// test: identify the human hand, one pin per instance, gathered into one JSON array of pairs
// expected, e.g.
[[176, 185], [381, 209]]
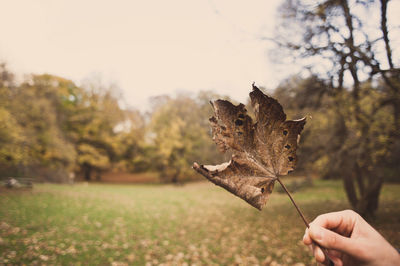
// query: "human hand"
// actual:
[[349, 240]]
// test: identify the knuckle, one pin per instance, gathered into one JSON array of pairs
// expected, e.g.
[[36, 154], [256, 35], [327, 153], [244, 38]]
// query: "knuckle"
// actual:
[[350, 212], [318, 219], [352, 215]]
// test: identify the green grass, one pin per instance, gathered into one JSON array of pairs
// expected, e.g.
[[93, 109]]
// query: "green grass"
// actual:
[[194, 224]]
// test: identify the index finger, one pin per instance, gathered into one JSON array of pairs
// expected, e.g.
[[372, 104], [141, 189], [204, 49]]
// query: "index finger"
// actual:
[[341, 222]]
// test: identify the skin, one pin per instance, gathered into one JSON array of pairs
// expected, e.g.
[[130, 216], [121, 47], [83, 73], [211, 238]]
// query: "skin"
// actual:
[[349, 240]]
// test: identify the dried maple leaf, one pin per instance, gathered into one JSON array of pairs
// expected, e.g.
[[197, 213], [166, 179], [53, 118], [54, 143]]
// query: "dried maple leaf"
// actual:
[[261, 151]]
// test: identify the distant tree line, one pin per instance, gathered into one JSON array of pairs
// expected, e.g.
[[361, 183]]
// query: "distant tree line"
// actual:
[[51, 129]]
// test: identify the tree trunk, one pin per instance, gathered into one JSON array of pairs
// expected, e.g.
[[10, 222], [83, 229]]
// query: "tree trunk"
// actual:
[[98, 176], [350, 189], [368, 203], [175, 179], [88, 172]]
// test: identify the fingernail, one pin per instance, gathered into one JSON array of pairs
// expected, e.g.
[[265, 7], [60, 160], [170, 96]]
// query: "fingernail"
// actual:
[[319, 255], [305, 233]]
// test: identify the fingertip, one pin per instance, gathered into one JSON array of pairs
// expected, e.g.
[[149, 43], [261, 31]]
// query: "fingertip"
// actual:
[[334, 256], [337, 261], [319, 255], [307, 239]]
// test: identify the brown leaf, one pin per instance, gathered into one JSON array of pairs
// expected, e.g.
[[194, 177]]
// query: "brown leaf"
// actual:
[[261, 151]]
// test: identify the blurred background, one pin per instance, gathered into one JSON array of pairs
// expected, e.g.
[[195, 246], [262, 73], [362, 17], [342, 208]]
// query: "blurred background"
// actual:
[[104, 107]]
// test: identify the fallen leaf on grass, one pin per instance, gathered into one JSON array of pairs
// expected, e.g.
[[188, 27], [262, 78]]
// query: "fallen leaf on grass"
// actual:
[[130, 257]]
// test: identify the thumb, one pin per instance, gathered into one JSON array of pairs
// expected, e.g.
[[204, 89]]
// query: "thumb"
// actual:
[[331, 240]]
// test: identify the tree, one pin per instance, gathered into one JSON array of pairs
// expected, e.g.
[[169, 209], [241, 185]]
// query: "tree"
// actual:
[[40, 105], [306, 97], [337, 41], [49, 128], [180, 131], [93, 127], [135, 154], [12, 152]]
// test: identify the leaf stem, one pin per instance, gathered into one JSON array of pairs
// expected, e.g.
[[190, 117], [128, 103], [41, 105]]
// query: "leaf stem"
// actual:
[[294, 203], [327, 261]]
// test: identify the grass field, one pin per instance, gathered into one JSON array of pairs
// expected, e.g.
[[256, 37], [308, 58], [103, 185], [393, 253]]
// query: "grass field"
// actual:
[[163, 224]]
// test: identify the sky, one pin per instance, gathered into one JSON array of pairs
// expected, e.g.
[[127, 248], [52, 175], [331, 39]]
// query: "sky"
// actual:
[[147, 48]]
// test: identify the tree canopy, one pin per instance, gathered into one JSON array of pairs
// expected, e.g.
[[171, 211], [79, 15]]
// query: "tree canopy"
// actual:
[[52, 128], [355, 83]]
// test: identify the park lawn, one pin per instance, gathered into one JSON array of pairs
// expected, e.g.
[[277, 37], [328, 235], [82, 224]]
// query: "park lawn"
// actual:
[[197, 223]]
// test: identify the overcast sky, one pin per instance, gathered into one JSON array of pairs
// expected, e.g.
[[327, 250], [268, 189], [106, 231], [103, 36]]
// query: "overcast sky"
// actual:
[[147, 47]]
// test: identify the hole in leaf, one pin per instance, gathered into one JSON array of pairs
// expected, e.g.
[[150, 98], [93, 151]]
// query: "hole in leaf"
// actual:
[[287, 146], [291, 158], [238, 122], [285, 132], [262, 190]]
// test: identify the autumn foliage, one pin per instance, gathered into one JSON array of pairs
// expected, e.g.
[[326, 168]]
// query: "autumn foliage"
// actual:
[[53, 130]]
